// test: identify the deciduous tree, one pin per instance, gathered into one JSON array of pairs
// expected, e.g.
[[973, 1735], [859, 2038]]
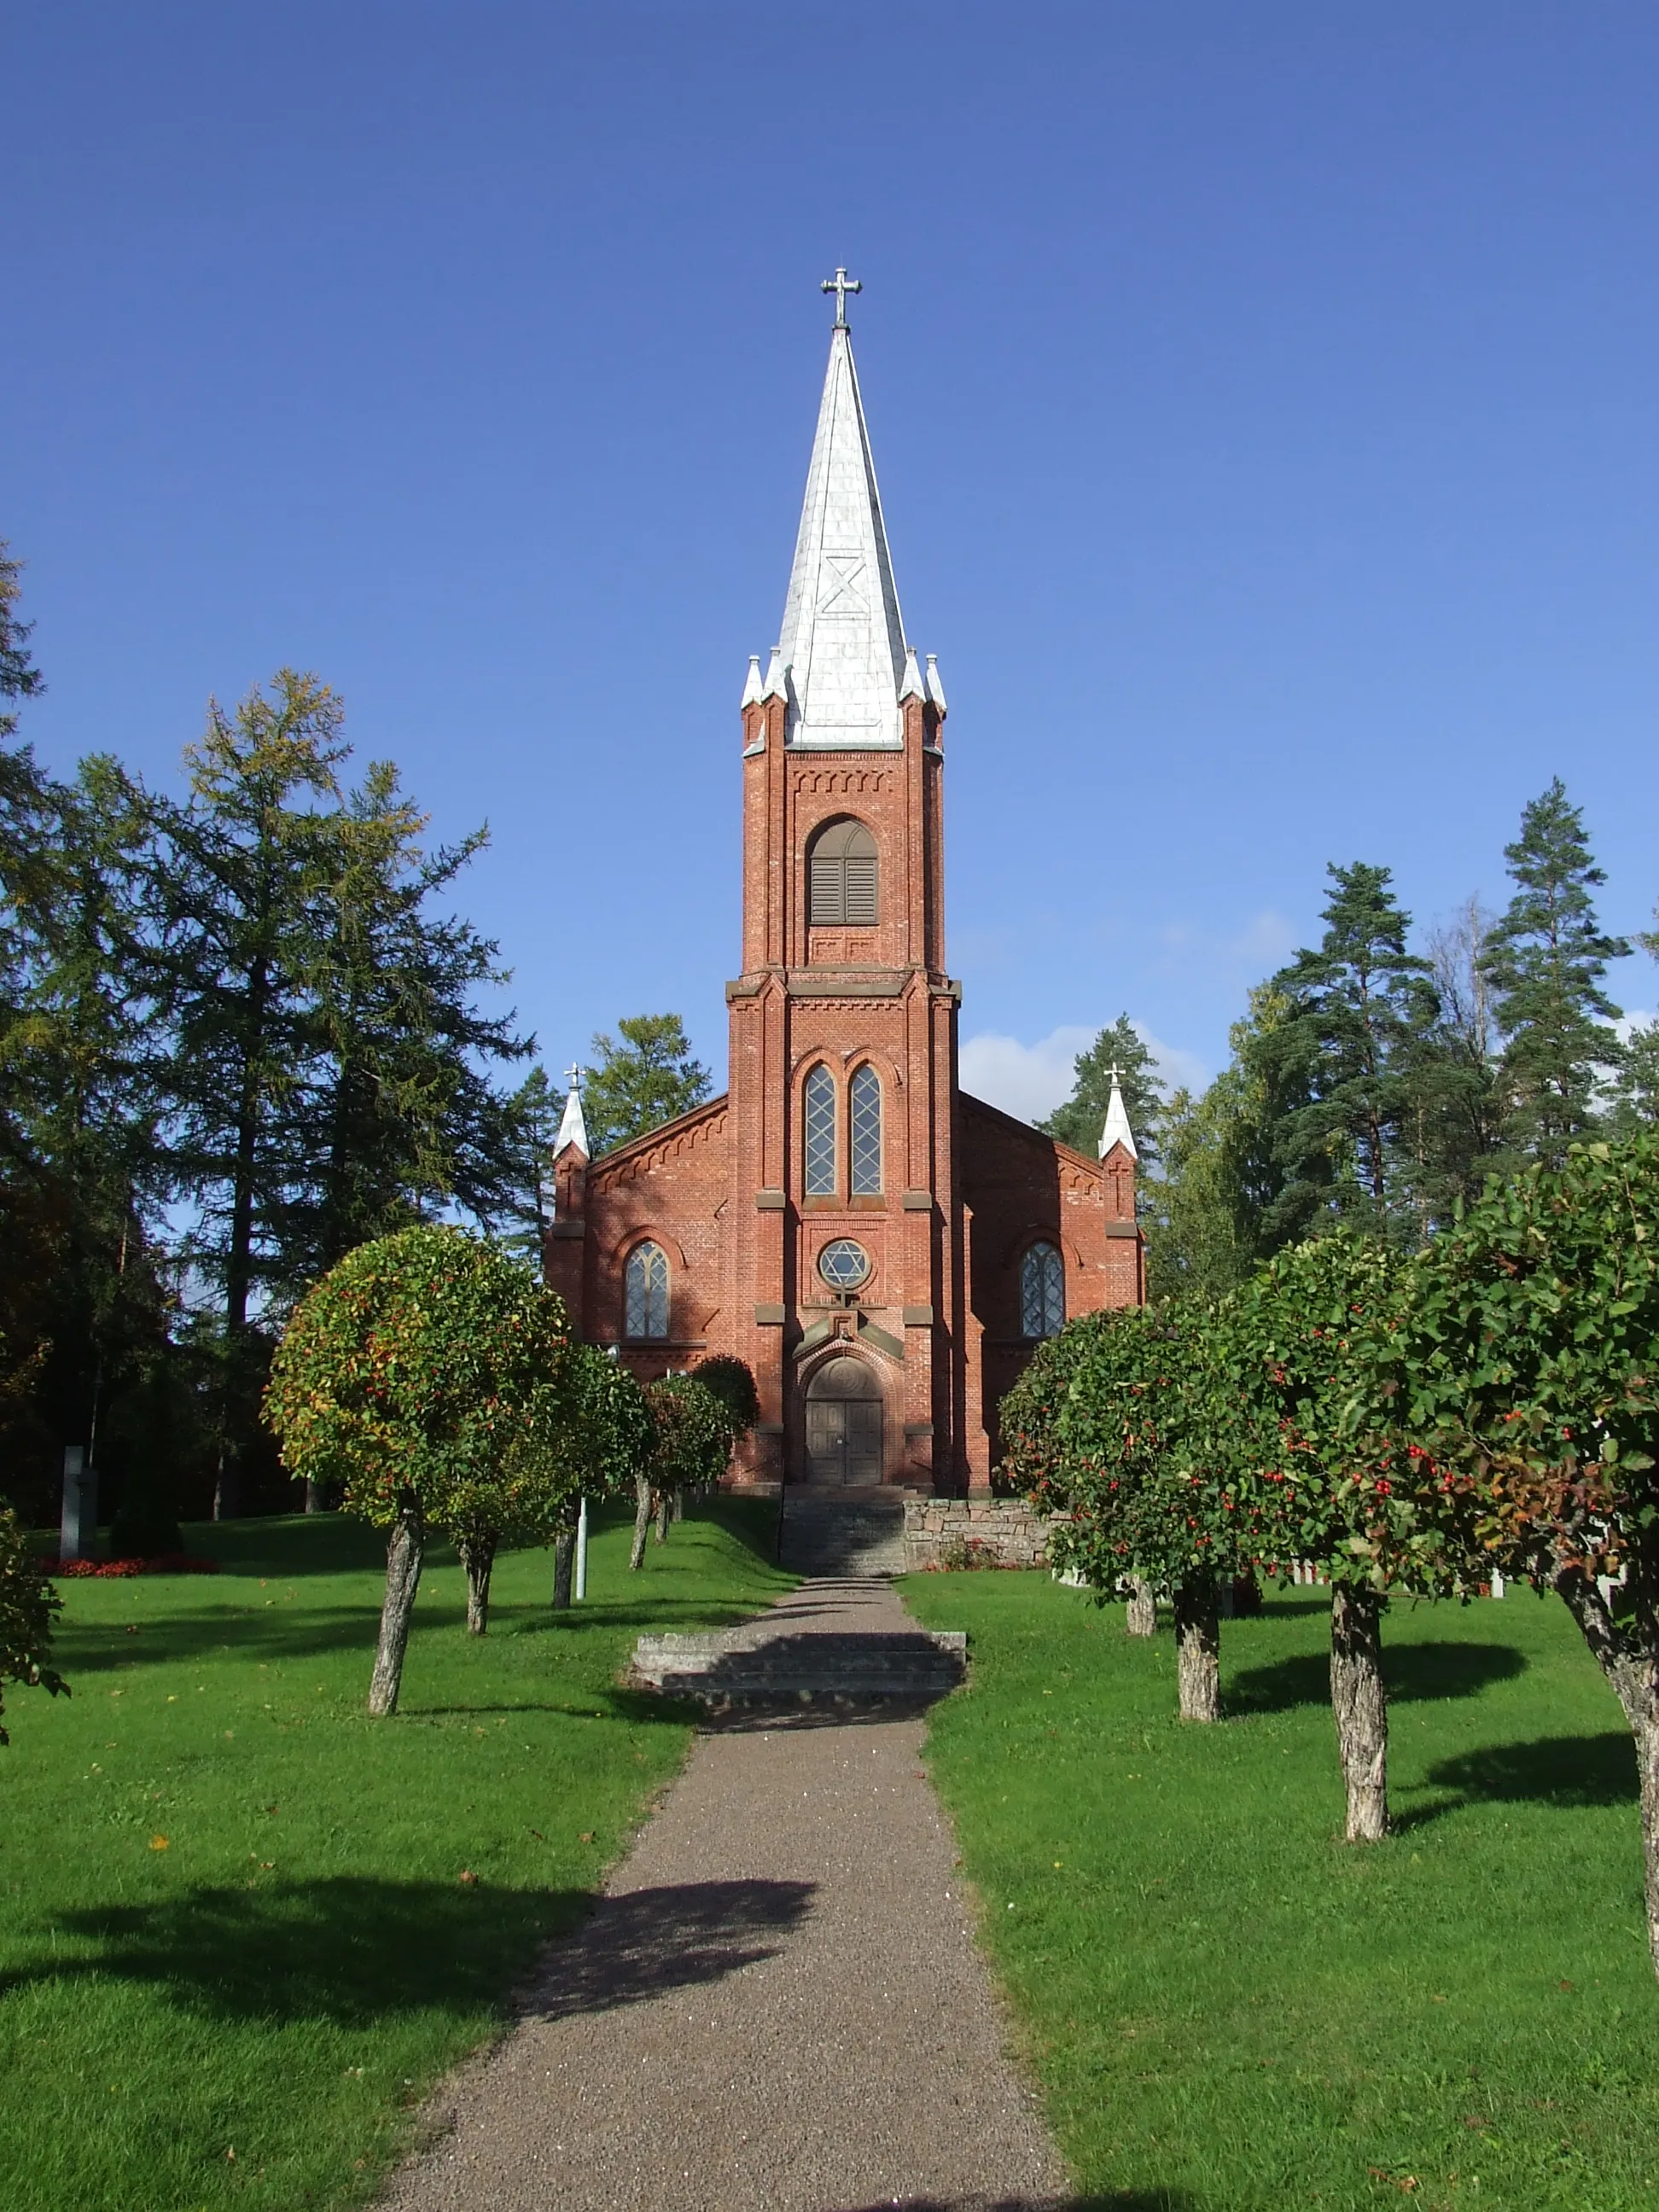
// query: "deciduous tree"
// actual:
[[1129, 1430], [422, 1376], [1317, 1336], [1531, 1361], [28, 1603]]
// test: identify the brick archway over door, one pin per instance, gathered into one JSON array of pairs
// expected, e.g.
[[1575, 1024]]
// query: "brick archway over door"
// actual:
[[844, 1423]]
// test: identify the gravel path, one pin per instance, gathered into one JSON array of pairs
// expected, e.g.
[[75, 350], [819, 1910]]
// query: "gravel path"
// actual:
[[777, 2006]]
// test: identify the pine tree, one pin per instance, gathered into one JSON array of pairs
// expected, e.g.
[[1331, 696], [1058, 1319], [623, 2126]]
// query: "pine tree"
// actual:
[[1544, 961], [1079, 1122], [647, 1078], [1357, 1042]]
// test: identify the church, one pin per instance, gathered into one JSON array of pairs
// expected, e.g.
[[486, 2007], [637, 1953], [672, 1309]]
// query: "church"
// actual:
[[883, 1250]]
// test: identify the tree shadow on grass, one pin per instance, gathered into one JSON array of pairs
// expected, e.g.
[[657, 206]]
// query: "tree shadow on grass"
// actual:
[[1413, 1673], [1570, 1771], [355, 1950], [174, 1638]]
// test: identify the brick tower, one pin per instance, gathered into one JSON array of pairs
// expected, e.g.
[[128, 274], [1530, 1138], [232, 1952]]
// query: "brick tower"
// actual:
[[881, 1249]]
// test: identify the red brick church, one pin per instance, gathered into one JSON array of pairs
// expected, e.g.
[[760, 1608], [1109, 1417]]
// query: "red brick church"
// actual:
[[884, 1250]]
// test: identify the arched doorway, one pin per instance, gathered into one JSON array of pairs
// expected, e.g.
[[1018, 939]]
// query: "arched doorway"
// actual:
[[844, 1423]]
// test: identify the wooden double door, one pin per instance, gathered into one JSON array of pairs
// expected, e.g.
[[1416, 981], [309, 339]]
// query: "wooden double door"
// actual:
[[844, 1428]]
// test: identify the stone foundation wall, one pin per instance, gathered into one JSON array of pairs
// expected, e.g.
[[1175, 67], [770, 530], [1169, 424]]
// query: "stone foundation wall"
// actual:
[[999, 1532]]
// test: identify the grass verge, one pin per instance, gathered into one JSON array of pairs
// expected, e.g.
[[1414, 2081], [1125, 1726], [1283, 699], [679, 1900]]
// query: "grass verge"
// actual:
[[235, 1946], [1230, 2010]]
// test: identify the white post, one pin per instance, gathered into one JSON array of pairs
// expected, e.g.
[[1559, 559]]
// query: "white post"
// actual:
[[581, 1552], [78, 1529], [1497, 1584]]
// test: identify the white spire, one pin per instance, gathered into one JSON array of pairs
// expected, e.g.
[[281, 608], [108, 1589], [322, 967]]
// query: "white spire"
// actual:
[[911, 687], [843, 636], [1117, 1130], [751, 689], [935, 687], [573, 1130]]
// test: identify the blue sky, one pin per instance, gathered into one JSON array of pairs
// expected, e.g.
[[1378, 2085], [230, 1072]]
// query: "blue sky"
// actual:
[[1264, 401]]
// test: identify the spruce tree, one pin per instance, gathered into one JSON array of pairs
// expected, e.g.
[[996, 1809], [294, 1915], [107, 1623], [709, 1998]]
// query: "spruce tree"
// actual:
[[400, 1119], [1079, 1122], [1545, 961], [647, 1078], [239, 893], [1356, 1044]]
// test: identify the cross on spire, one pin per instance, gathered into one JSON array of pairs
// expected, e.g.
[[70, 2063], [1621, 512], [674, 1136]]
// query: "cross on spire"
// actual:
[[841, 284], [574, 1075]]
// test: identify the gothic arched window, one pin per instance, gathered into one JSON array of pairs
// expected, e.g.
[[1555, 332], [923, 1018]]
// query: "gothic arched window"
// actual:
[[864, 1123], [820, 1101], [841, 876], [1041, 1291], [645, 1292]]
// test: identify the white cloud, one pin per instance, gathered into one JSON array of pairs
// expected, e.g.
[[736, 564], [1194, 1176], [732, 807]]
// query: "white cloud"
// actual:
[[1032, 1080]]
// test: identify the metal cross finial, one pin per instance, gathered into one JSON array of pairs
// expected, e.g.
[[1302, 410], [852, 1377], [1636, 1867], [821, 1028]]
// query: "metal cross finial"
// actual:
[[575, 1074], [1115, 1073], [841, 284]]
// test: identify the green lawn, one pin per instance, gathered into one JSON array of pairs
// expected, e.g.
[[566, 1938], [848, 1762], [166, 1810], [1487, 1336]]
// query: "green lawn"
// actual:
[[1229, 2008], [232, 1916]]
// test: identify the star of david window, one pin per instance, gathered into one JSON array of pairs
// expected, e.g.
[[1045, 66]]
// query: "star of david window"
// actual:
[[645, 1293], [820, 1133], [841, 877], [1041, 1291], [864, 1119], [843, 1264]]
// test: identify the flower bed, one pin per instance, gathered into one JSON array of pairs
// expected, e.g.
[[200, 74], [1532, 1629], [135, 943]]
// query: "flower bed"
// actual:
[[166, 1562]]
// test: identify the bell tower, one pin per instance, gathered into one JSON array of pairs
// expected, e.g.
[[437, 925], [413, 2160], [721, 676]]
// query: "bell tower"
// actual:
[[845, 1238]]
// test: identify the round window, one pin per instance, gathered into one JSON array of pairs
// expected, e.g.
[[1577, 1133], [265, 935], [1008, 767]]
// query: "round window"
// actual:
[[843, 1264]]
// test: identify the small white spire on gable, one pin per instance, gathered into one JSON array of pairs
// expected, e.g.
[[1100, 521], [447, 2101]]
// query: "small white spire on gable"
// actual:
[[935, 688], [911, 687], [751, 689], [1117, 1130], [777, 681], [573, 1129]]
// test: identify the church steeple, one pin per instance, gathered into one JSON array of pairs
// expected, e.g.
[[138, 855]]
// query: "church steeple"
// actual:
[[842, 649]]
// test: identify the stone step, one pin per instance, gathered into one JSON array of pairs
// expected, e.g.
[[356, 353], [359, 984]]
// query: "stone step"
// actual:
[[843, 1533], [748, 1667]]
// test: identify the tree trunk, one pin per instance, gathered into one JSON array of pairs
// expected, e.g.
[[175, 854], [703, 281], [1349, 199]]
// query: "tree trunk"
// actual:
[[1141, 1617], [1360, 1706], [1198, 1648], [1629, 1657], [664, 1506], [478, 1559], [641, 1519], [404, 1551], [314, 1498], [564, 1563]]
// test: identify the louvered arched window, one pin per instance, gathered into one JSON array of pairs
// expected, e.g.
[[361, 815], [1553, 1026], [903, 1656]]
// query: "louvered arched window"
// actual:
[[864, 1128], [820, 1119], [841, 876], [1041, 1291], [645, 1292]]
